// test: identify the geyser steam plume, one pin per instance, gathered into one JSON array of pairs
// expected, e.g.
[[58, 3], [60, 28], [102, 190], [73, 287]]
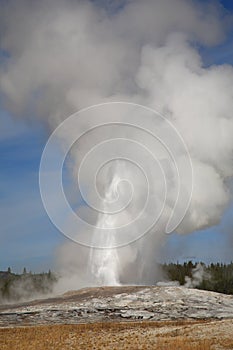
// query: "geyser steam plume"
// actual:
[[103, 264], [61, 56]]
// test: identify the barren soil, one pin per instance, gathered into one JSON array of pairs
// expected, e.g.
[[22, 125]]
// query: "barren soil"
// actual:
[[186, 335], [121, 318]]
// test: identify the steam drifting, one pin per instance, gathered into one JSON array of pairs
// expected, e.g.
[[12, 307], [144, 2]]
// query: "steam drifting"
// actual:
[[67, 55]]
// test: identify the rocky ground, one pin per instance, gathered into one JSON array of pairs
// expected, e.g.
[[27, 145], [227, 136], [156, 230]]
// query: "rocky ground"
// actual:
[[129, 303]]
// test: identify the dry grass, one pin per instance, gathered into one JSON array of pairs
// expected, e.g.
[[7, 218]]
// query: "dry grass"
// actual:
[[183, 335]]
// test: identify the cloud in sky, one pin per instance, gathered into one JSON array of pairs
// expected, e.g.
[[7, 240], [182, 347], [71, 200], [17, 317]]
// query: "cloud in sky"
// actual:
[[29, 239], [64, 55]]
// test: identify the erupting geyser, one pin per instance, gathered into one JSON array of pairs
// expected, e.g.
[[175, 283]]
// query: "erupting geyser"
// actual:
[[103, 262], [60, 57]]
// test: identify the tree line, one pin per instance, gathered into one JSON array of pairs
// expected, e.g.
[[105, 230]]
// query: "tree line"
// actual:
[[25, 286], [216, 277]]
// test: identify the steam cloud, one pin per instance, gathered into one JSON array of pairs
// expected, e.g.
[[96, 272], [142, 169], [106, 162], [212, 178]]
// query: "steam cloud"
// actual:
[[198, 274], [66, 55]]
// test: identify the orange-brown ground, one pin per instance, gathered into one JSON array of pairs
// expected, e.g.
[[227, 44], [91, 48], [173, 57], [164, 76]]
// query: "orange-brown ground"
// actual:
[[182, 335]]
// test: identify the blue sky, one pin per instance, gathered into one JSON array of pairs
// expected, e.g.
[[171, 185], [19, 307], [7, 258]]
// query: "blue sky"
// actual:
[[27, 235], [28, 238]]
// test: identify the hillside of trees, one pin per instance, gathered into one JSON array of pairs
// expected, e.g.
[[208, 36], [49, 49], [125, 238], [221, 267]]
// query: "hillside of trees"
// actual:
[[25, 286], [214, 277]]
